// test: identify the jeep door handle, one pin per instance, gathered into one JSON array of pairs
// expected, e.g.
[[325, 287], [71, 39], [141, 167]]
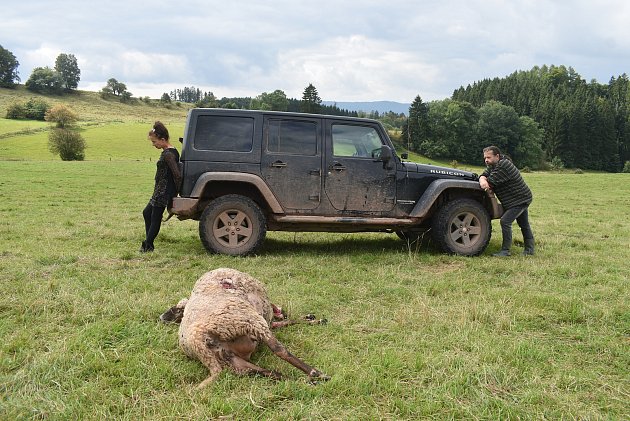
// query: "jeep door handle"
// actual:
[[338, 167], [278, 164]]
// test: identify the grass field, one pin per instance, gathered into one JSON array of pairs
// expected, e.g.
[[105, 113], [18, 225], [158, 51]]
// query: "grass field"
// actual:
[[412, 334]]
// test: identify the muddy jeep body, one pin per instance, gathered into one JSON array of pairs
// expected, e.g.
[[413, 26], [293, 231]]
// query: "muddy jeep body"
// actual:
[[247, 172]]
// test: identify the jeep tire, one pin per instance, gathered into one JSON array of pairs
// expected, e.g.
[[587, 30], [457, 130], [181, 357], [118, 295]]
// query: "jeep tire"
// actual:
[[462, 227], [233, 225]]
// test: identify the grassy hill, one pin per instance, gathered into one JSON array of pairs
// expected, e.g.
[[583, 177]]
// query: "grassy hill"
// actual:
[[92, 108], [112, 130]]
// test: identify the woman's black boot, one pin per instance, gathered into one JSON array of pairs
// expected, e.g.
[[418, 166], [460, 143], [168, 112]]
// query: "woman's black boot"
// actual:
[[146, 247]]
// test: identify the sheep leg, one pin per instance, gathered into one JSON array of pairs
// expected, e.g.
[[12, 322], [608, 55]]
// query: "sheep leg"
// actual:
[[283, 323], [209, 357], [282, 352], [213, 375], [241, 365], [308, 319]]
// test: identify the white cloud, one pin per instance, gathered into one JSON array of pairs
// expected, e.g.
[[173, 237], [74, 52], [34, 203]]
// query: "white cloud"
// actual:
[[371, 50], [355, 68], [137, 65], [43, 56]]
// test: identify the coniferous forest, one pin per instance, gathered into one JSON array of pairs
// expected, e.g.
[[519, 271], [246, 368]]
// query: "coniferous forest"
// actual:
[[547, 116]]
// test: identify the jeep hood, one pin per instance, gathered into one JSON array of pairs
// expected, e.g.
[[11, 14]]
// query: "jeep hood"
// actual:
[[439, 171]]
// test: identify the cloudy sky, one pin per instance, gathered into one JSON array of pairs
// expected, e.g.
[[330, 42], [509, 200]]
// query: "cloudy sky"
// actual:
[[350, 50]]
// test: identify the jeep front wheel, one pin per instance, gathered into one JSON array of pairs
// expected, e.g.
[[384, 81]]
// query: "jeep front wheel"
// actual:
[[462, 227], [233, 225]]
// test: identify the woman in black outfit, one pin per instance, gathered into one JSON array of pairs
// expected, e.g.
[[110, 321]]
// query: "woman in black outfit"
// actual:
[[167, 182]]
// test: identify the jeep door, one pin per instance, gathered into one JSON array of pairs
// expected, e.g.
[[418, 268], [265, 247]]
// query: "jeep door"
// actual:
[[291, 162], [355, 179]]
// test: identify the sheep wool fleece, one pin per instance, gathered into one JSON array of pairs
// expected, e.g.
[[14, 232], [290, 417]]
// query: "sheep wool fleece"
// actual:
[[216, 297]]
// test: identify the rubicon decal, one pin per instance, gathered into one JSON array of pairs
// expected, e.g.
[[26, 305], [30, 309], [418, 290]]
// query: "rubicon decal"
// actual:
[[446, 172]]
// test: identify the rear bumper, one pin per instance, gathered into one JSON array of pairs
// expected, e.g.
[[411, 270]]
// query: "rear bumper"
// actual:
[[184, 207]]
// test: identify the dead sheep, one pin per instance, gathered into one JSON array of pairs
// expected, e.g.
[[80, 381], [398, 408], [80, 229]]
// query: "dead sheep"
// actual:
[[227, 315]]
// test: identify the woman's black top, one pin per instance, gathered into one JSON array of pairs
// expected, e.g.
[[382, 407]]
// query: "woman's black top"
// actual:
[[167, 178]]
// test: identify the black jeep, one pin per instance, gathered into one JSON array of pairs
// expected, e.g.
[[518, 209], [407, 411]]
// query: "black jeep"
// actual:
[[247, 172]]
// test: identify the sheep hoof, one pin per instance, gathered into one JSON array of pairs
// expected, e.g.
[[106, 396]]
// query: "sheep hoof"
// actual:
[[272, 374], [312, 319], [320, 378], [316, 377]]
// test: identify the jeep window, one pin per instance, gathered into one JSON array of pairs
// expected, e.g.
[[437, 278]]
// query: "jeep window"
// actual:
[[222, 133], [292, 137], [357, 141]]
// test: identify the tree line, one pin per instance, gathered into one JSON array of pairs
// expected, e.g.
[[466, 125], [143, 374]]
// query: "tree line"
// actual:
[[451, 129], [548, 115], [64, 77], [271, 101]]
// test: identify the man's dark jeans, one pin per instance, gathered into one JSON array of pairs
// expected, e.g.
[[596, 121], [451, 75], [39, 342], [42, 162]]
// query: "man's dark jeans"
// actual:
[[520, 214]]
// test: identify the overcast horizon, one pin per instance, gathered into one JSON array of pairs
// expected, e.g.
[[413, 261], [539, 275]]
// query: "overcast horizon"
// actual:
[[350, 51]]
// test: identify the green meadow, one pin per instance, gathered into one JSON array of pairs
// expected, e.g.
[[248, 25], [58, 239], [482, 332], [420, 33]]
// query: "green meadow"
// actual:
[[412, 333]]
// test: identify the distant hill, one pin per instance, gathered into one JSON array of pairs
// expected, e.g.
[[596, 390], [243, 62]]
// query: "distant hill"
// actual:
[[380, 106], [92, 108]]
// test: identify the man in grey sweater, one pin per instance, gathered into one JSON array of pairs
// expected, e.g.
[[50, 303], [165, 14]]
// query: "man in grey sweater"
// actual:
[[505, 180]]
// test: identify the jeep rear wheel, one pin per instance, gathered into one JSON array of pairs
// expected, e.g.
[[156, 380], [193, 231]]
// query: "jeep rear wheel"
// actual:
[[462, 227], [233, 225]]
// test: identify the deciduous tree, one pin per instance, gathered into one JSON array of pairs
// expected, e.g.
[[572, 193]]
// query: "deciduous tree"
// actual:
[[64, 140], [499, 125], [114, 87], [165, 99], [62, 116], [276, 101], [8, 68], [45, 80], [68, 144], [68, 69]]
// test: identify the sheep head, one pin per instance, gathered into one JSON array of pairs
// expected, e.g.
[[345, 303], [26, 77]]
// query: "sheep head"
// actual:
[[175, 313]]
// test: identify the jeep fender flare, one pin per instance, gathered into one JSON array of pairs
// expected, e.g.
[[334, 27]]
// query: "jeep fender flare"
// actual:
[[437, 187], [248, 178]]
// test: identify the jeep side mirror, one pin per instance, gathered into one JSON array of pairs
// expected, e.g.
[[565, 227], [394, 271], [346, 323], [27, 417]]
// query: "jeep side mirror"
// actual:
[[404, 155], [386, 156]]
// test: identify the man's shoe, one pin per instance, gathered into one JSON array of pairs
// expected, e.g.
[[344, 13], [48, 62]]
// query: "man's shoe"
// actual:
[[529, 247], [502, 253]]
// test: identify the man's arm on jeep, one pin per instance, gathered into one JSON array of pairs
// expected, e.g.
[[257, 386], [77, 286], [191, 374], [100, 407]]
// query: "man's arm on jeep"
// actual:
[[483, 182]]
